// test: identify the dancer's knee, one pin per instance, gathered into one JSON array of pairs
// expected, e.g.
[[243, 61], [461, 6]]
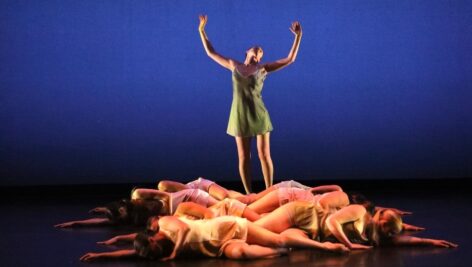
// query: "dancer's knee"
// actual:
[[264, 155], [236, 251], [281, 241], [243, 157]]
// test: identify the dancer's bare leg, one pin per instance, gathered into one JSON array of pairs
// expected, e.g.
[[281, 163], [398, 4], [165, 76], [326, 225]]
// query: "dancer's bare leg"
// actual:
[[276, 221], [258, 235], [267, 203], [244, 154], [251, 215], [263, 149], [218, 192], [244, 251]]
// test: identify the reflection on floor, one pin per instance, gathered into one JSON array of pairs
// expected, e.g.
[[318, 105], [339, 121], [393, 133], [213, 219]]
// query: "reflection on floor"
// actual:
[[29, 239]]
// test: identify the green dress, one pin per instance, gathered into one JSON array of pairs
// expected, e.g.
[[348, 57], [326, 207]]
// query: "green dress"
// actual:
[[248, 116]]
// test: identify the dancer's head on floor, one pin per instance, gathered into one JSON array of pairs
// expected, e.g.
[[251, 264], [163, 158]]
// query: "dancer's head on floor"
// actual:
[[118, 211], [386, 223], [358, 198], [136, 212], [153, 224], [254, 55], [153, 246]]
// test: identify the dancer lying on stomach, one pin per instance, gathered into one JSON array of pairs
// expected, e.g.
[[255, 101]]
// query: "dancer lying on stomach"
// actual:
[[290, 184], [355, 227], [280, 196], [215, 190], [233, 237], [144, 203], [227, 207]]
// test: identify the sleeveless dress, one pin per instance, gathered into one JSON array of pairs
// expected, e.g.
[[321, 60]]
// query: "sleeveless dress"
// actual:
[[248, 116], [303, 215], [290, 184], [200, 183], [210, 237], [188, 195], [290, 194]]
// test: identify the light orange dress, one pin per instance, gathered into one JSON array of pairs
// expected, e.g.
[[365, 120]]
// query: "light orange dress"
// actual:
[[210, 237]]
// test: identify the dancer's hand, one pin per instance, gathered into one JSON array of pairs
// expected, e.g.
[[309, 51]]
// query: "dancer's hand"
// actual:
[[64, 225], [360, 247], [203, 21], [335, 247], [443, 243], [108, 242], [296, 28], [408, 227], [402, 212], [171, 257], [90, 256]]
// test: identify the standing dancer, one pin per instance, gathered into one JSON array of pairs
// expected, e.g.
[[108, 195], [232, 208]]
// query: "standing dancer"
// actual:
[[249, 116]]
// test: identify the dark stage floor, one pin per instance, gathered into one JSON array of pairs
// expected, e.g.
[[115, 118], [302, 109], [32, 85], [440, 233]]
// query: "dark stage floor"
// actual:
[[29, 239]]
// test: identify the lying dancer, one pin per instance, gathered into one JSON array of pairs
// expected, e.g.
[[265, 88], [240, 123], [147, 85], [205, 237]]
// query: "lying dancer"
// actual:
[[354, 224], [227, 207], [144, 203], [215, 190], [122, 212], [280, 196], [290, 184], [235, 238]]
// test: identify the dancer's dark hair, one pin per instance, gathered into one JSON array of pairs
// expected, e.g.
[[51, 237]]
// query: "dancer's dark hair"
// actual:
[[161, 248], [145, 209], [358, 198], [375, 235], [119, 211], [135, 212]]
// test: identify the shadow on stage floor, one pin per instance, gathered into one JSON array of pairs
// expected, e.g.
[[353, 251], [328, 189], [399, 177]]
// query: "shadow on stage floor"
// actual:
[[29, 239]]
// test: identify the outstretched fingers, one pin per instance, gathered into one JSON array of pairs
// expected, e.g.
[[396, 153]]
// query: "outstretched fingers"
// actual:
[[89, 256], [336, 247], [63, 225], [360, 247], [447, 244]]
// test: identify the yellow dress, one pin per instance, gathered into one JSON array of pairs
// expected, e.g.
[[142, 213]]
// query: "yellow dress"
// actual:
[[210, 237]]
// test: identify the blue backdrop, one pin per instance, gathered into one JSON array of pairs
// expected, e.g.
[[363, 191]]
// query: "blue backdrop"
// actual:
[[122, 91]]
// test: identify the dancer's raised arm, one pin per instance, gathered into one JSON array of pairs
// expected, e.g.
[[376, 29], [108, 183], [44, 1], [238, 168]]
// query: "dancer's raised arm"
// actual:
[[296, 29], [223, 61]]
